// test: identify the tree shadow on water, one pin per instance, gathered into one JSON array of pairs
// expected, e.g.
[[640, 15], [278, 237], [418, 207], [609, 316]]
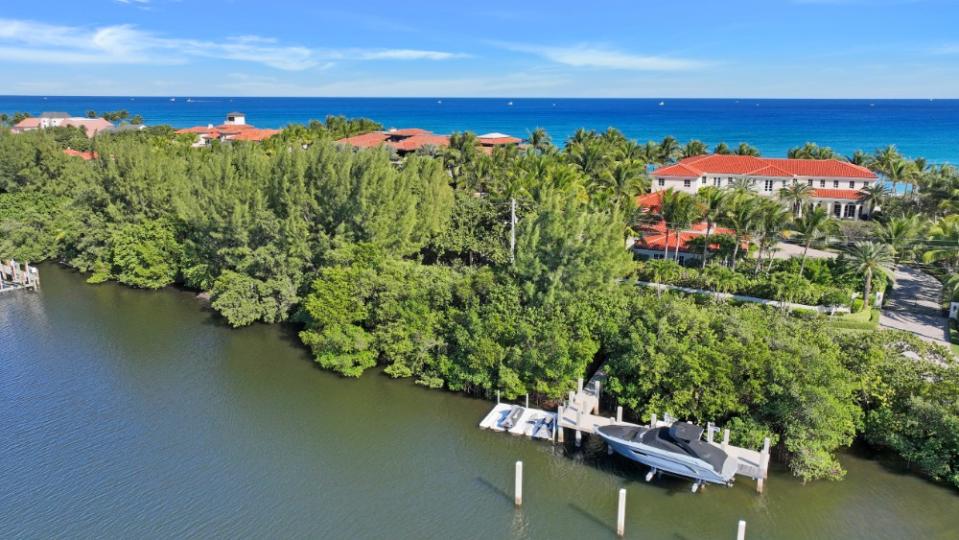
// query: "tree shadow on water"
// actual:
[[592, 517], [495, 489]]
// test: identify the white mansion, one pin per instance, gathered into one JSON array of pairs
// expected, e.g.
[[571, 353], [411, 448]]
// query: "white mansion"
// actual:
[[836, 184]]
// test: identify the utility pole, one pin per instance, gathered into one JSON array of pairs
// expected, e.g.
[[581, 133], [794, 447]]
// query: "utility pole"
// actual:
[[512, 231]]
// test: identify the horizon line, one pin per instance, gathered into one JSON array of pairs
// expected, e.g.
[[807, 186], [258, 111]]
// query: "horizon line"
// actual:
[[507, 97]]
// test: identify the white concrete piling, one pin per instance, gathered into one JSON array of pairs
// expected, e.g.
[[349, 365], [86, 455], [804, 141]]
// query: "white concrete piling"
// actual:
[[527, 401], [763, 466], [621, 514], [518, 499], [572, 397], [599, 388], [710, 428], [579, 386], [556, 426], [652, 421], [619, 413], [725, 438], [741, 532], [497, 397]]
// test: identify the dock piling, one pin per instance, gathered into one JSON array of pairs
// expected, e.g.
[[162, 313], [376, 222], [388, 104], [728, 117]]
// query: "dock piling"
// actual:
[[599, 387], [741, 532], [579, 386], [619, 413], [518, 499], [652, 421], [559, 429], [527, 401], [710, 429], [763, 466], [621, 514], [497, 397], [725, 438]]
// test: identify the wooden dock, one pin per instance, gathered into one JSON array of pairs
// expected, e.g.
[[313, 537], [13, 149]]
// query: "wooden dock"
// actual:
[[16, 276], [580, 413]]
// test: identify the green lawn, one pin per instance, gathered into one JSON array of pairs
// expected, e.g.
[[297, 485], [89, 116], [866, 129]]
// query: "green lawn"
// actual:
[[864, 320]]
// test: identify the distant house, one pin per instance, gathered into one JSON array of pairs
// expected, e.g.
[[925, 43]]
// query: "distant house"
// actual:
[[409, 140], [234, 128], [90, 126], [404, 141], [489, 141], [835, 185]]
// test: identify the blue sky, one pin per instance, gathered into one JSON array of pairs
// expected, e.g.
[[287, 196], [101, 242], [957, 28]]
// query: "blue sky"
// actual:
[[797, 48]]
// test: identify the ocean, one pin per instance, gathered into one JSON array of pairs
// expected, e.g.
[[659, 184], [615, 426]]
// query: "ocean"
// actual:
[[919, 128]]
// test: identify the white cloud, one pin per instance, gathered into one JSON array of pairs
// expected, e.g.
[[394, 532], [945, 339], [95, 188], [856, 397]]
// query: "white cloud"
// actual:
[[28, 41], [408, 54], [595, 56]]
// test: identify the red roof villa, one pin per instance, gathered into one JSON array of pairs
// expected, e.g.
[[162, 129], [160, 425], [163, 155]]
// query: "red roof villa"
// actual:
[[409, 140], [91, 126], [234, 128], [837, 185]]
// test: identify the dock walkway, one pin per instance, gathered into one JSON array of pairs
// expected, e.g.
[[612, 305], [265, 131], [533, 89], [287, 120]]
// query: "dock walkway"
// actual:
[[15, 276]]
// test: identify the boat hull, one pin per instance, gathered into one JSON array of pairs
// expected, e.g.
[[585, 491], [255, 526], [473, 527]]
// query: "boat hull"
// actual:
[[668, 462]]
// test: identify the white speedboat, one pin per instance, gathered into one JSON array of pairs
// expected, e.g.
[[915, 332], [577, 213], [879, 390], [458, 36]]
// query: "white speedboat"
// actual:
[[677, 449]]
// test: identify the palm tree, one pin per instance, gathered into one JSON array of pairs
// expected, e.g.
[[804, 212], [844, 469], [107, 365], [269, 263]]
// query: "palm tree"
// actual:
[[694, 148], [651, 152], [772, 223], [741, 185], [796, 195], [590, 158], [540, 140], [679, 210], [811, 151], [713, 202], [722, 149], [858, 158], [898, 171], [810, 227], [742, 215], [873, 196], [668, 149], [870, 259], [623, 181], [899, 234], [461, 152], [944, 236], [747, 150], [951, 287]]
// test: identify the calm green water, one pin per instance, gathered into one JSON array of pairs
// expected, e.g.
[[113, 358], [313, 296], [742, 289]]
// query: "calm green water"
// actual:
[[136, 414]]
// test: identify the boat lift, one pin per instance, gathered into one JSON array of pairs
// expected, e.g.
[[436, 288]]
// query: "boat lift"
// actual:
[[580, 413]]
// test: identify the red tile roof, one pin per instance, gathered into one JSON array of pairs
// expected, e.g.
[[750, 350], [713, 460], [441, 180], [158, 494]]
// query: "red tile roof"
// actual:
[[255, 134], [86, 156], [28, 123], [849, 194], [696, 166], [415, 142], [650, 201], [366, 140]]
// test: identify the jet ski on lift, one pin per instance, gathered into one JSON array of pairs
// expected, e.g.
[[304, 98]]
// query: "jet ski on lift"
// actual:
[[677, 449]]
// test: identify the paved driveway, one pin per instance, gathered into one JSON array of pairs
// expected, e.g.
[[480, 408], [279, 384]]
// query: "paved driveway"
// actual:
[[913, 306]]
